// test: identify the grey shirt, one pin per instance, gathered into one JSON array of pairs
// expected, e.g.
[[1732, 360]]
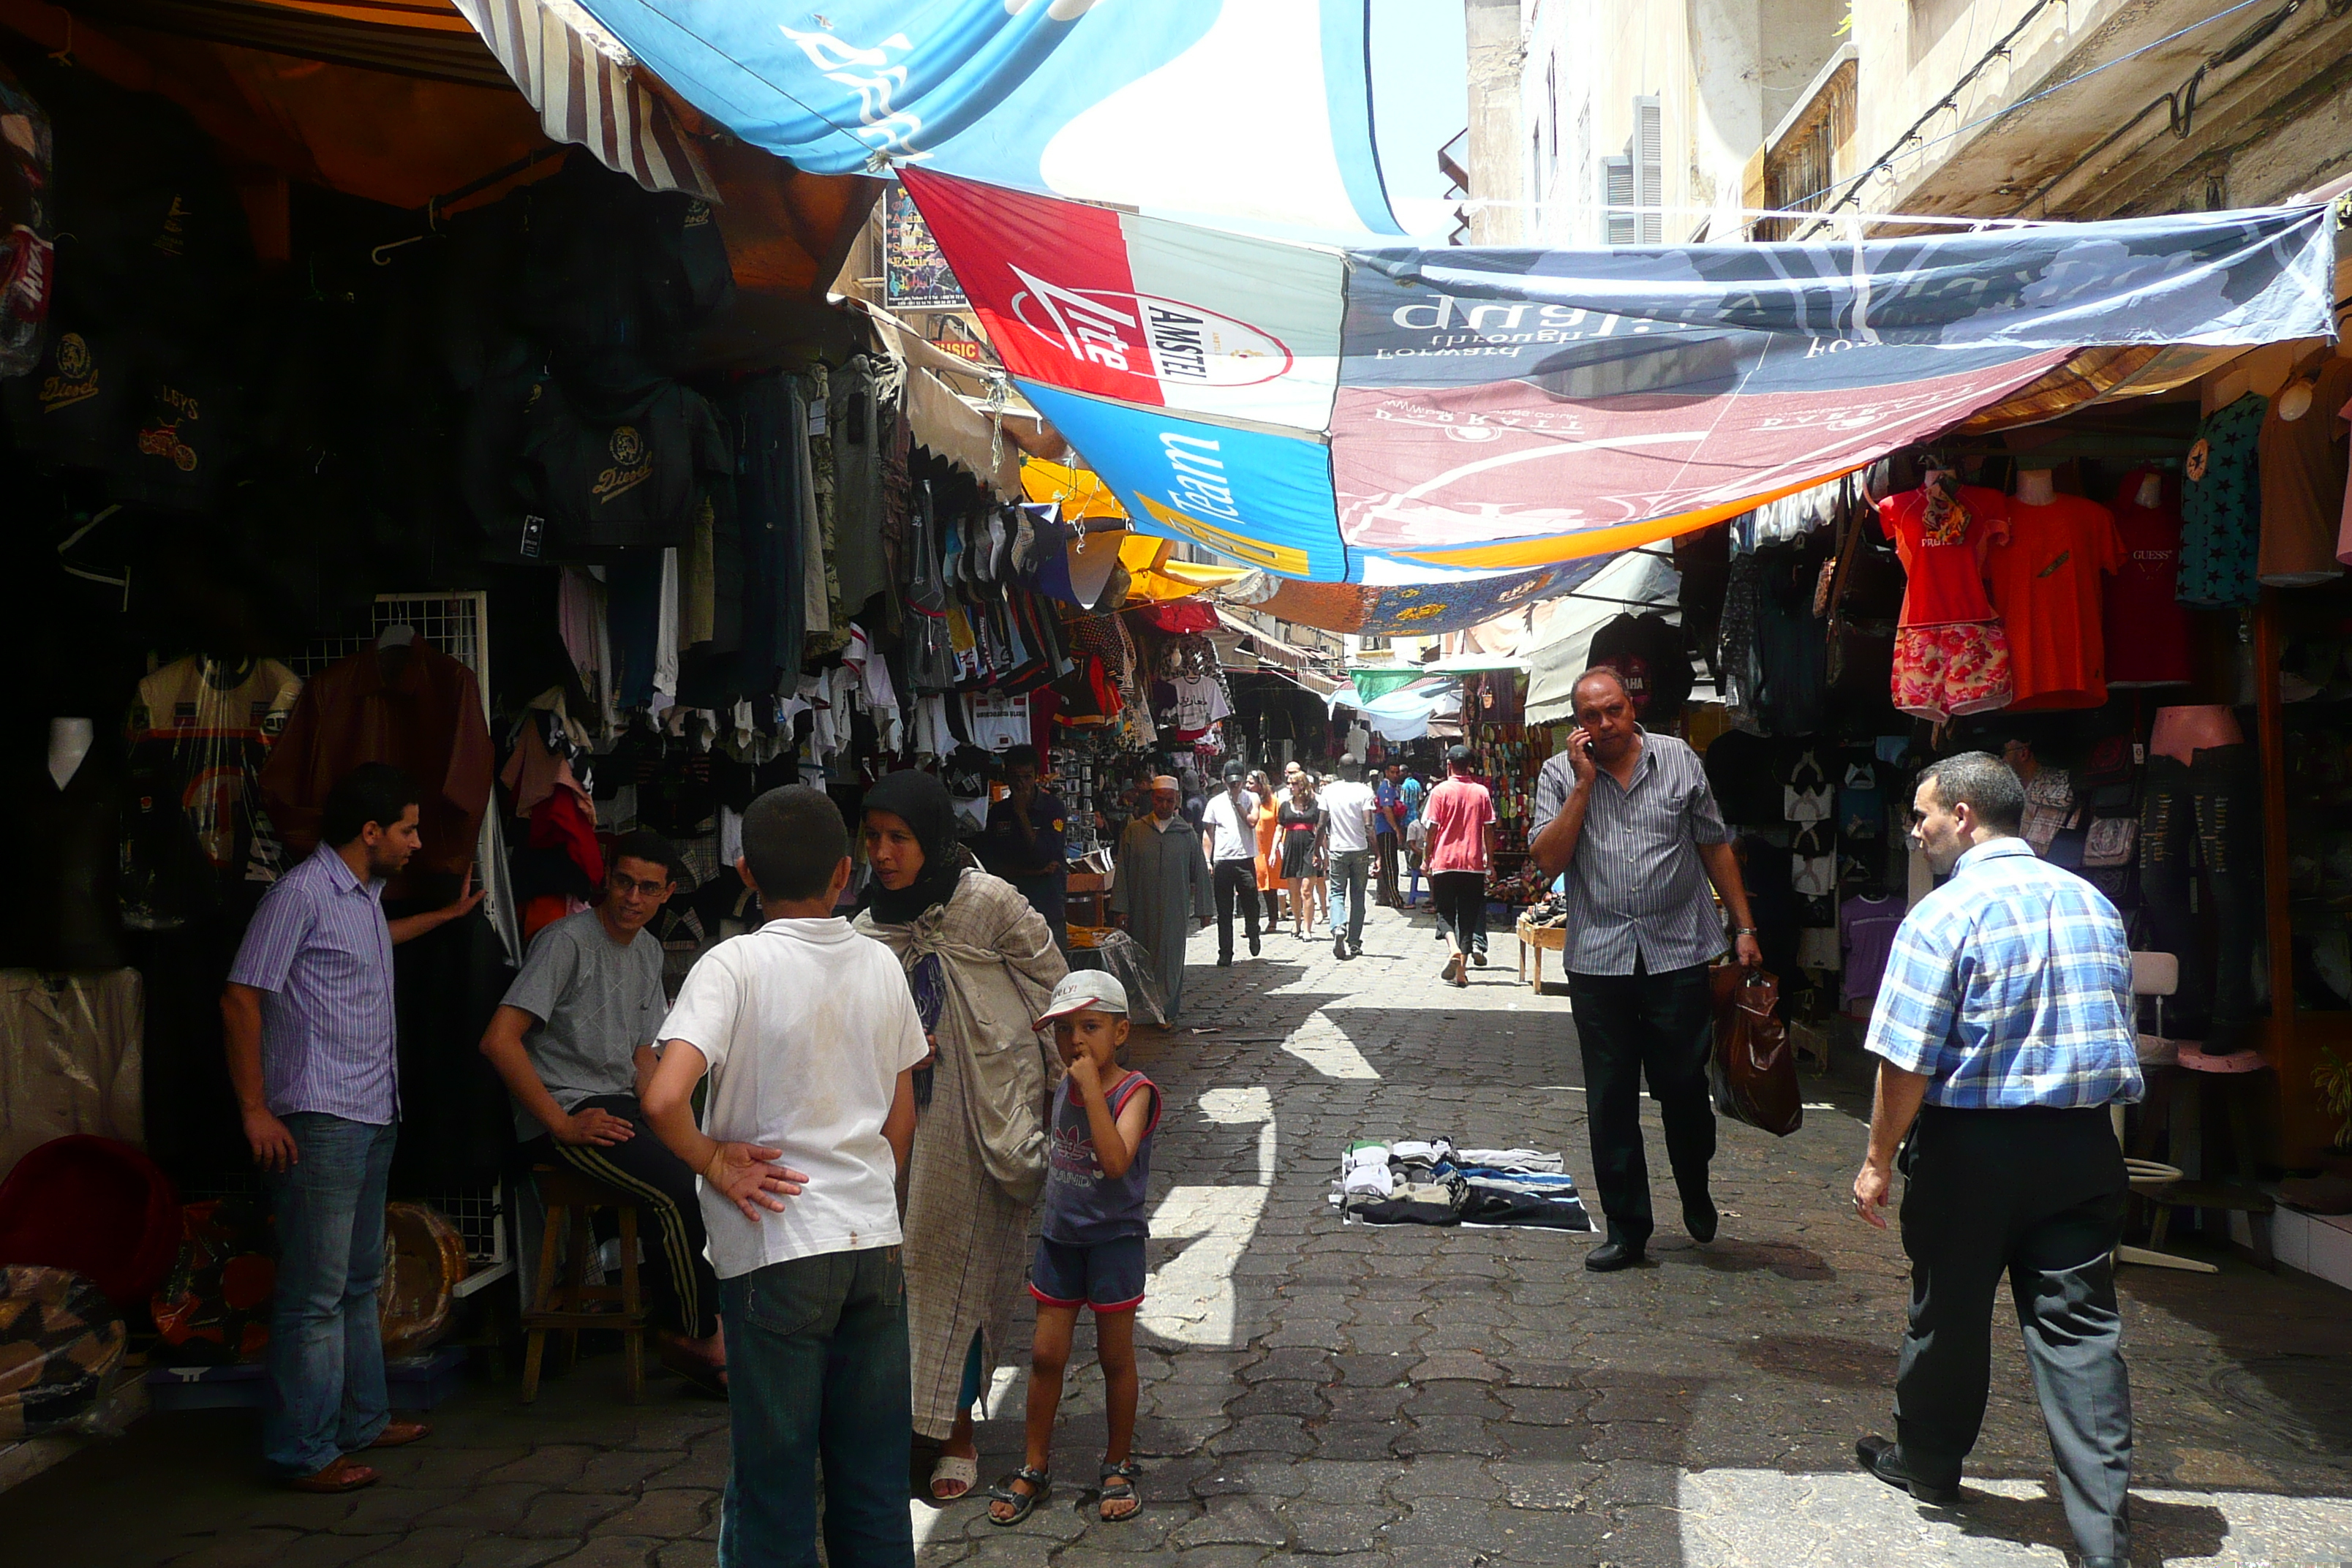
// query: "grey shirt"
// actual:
[[1636, 884], [596, 1002]]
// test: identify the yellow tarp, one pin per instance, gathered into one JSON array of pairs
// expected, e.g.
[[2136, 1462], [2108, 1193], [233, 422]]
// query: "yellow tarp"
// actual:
[[1080, 492]]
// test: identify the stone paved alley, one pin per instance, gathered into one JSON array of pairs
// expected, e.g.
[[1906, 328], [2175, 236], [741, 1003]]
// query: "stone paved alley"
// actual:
[[1409, 1396]]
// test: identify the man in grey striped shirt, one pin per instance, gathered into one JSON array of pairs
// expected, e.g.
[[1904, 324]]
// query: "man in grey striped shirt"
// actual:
[[1627, 815]]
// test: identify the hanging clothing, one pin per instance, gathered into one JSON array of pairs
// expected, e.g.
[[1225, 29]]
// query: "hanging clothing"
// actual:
[[2144, 626], [2048, 582], [2303, 467], [2221, 508], [769, 520], [73, 1059], [420, 711], [65, 911]]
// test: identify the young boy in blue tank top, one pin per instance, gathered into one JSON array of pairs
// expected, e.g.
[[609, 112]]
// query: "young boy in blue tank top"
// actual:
[[1090, 1253]]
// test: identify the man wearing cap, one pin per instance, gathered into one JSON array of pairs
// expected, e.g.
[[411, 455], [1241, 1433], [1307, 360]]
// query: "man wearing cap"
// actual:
[[1231, 820], [1163, 879]]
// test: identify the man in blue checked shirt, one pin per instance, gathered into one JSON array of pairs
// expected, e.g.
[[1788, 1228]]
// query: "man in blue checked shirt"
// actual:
[[2004, 1031], [308, 1012]]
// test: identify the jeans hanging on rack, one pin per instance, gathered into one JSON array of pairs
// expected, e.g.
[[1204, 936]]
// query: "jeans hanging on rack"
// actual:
[[2211, 807]]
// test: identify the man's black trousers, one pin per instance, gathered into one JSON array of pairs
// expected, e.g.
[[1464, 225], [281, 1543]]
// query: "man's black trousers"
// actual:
[[2037, 1195], [1234, 882], [679, 1285], [1630, 1027]]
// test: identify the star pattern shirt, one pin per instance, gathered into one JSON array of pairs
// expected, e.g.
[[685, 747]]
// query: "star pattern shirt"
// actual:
[[2221, 508]]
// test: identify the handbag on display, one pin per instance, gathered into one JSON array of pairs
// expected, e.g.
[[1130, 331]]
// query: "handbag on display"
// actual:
[[1752, 1069]]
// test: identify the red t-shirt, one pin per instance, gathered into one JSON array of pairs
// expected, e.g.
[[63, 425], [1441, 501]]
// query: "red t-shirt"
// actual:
[[1458, 813], [2147, 626], [2046, 582], [1946, 566]]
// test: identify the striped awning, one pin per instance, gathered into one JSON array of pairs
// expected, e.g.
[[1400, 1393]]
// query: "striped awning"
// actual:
[[583, 83]]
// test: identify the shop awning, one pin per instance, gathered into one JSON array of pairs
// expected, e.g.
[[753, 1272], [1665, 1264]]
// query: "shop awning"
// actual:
[[402, 102], [1379, 682], [1172, 107], [1406, 713], [1389, 416]]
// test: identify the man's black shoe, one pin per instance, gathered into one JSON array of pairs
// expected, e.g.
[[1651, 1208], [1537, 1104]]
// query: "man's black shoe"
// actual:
[[2105, 1561], [1885, 1459], [1356, 950], [1252, 947], [1339, 944], [1700, 1220], [1478, 957], [1225, 961], [1612, 1256]]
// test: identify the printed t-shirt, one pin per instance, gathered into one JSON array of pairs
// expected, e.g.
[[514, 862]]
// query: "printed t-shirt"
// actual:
[[596, 1002], [2221, 507], [2302, 463], [796, 1003], [1083, 1207], [1459, 811], [1945, 568], [2146, 630], [1199, 703], [1347, 804], [2046, 582], [205, 728], [1652, 659]]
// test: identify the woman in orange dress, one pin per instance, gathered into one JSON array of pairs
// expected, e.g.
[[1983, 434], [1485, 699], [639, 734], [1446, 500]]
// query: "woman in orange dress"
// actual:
[[1269, 856]]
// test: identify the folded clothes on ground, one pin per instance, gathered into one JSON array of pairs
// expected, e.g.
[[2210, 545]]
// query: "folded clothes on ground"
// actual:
[[1508, 1158], [1426, 1181], [1415, 1203]]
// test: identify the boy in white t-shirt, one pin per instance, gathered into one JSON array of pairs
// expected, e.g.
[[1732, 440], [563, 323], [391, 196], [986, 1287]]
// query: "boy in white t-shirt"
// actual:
[[809, 1037]]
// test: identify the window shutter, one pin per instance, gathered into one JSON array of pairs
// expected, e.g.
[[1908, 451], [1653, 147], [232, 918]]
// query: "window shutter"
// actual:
[[1649, 169], [1617, 225]]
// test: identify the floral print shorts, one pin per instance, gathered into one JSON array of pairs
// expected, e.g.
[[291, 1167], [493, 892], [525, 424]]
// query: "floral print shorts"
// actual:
[[1943, 672]]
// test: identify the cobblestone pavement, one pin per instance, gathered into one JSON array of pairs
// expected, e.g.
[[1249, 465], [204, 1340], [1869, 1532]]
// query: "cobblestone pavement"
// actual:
[[1402, 1397]]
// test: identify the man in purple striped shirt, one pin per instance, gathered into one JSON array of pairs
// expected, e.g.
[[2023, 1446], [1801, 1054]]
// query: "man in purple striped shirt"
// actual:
[[309, 1018]]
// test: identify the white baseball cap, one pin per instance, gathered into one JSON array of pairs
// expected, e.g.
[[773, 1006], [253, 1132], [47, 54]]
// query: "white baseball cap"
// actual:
[[1081, 989]]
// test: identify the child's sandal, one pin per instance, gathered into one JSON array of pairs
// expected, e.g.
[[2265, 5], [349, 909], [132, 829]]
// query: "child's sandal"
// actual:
[[1024, 1503], [1118, 1485]]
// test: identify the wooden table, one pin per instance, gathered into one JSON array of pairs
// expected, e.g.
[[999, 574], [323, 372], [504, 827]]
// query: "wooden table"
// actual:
[[1538, 941]]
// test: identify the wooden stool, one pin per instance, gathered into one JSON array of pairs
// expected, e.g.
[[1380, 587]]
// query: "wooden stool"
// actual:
[[1537, 940], [569, 1304]]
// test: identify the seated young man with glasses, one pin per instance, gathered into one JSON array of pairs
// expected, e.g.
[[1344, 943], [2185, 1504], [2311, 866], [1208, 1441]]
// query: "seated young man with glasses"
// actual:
[[573, 1039]]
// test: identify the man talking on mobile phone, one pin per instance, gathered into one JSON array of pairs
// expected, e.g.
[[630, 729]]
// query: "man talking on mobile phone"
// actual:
[[1627, 815]]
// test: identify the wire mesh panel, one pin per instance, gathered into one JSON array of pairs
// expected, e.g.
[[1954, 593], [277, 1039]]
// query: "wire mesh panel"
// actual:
[[458, 625]]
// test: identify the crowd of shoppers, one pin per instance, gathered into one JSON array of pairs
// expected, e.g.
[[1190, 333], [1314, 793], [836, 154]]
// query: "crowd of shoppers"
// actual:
[[843, 1266]]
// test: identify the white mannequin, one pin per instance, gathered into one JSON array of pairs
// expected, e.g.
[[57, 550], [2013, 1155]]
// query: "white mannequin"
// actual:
[[2034, 488], [70, 742], [2151, 491]]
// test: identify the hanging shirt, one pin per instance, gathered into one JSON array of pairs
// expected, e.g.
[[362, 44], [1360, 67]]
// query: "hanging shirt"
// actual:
[[2221, 508], [2047, 582], [1866, 929], [1199, 702], [1942, 547], [206, 727], [2145, 628], [2301, 462]]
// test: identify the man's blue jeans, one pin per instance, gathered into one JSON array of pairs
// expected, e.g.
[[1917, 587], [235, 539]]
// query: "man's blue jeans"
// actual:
[[326, 1351], [817, 1369], [1349, 868]]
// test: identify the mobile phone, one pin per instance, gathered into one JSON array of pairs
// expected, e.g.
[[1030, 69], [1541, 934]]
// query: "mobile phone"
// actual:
[[1587, 748]]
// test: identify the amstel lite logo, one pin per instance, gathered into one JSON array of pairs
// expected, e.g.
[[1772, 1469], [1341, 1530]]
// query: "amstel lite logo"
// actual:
[[1149, 335], [632, 464]]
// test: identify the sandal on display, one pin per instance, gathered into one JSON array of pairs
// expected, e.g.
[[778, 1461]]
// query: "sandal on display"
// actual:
[[1024, 1503]]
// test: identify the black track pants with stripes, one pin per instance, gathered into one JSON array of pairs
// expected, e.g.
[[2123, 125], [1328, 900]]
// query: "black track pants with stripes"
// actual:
[[679, 1287]]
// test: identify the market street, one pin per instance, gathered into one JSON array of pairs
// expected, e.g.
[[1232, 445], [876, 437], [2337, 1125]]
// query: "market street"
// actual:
[[1406, 1395]]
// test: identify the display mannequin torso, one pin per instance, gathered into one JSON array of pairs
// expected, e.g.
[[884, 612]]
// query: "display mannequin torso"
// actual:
[[70, 742]]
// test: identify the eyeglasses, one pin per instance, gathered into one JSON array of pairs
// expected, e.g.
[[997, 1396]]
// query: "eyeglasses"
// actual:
[[627, 885]]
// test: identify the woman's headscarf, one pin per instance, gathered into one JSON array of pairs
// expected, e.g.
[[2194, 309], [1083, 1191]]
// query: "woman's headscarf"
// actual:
[[923, 804]]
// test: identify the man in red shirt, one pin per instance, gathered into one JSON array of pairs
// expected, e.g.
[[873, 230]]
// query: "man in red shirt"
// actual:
[[1461, 848]]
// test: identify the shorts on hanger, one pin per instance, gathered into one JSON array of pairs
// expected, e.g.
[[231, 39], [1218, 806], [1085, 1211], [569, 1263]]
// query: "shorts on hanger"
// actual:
[[1943, 672]]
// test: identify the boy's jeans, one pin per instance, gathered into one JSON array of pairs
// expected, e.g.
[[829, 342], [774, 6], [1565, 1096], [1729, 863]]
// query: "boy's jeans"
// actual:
[[326, 1348], [817, 1368]]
